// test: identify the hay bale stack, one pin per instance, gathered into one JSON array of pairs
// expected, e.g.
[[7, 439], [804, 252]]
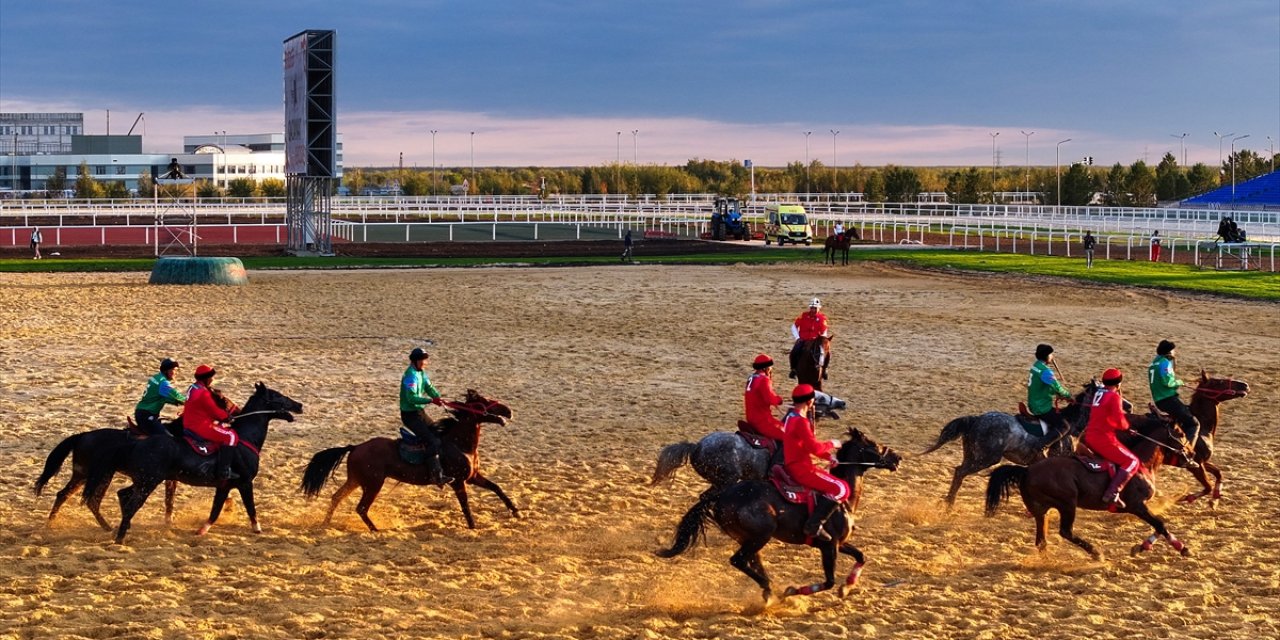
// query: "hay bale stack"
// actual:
[[198, 270]]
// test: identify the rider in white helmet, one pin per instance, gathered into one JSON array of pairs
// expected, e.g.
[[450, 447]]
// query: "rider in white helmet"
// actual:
[[811, 325]]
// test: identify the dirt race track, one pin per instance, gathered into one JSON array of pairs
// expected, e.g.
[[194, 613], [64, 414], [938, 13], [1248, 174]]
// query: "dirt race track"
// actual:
[[603, 366]]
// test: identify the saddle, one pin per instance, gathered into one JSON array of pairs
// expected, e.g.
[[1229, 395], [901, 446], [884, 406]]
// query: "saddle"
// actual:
[[1034, 426], [756, 440], [203, 448], [411, 448], [791, 490], [1155, 412]]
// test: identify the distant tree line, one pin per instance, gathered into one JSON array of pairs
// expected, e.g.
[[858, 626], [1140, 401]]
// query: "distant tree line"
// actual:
[[1135, 185]]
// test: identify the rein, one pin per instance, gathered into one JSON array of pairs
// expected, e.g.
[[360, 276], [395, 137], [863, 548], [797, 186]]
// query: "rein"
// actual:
[[460, 406], [1182, 451], [1215, 395], [251, 413]]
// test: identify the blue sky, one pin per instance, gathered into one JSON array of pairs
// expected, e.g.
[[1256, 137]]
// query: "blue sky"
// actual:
[[552, 83]]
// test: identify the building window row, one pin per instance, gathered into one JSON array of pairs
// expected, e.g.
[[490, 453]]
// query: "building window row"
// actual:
[[43, 130]]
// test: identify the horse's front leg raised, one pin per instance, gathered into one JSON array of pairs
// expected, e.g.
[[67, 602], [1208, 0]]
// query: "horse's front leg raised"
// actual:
[[219, 497], [1140, 509], [828, 569], [481, 481], [1203, 477]]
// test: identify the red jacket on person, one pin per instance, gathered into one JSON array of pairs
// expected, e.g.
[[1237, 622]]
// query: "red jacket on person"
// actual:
[[201, 413], [759, 400], [1106, 419], [798, 448], [811, 326]]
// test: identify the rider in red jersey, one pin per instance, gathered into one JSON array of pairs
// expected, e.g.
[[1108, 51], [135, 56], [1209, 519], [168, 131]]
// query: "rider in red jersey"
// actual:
[[798, 448], [759, 399], [1106, 418]]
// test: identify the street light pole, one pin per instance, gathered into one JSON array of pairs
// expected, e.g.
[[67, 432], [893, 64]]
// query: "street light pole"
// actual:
[[1056, 170], [834, 183], [1220, 137], [807, 182], [635, 147], [1182, 140], [473, 164], [1026, 163], [993, 165], [1233, 167], [1271, 149], [434, 183]]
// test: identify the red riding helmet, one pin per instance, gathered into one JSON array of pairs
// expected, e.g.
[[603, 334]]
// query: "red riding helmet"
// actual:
[[802, 392], [762, 361], [205, 371], [1112, 376]]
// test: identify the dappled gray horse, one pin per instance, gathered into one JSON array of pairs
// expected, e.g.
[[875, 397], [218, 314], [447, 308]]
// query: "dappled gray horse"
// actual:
[[724, 457], [991, 436]]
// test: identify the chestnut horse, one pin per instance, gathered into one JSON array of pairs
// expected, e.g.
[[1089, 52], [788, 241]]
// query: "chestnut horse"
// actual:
[[372, 462], [1209, 393], [753, 513], [1065, 484]]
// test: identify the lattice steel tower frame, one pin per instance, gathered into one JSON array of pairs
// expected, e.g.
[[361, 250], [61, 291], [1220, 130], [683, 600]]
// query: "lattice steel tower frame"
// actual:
[[310, 140]]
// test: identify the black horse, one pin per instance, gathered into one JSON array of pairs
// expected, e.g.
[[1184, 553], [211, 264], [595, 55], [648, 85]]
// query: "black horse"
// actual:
[[992, 436], [154, 460], [84, 448], [754, 512], [839, 243]]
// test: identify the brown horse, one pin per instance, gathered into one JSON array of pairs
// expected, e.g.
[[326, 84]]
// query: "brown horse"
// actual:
[[753, 512], [839, 243], [807, 369], [372, 462], [1209, 393], [1065, 484]]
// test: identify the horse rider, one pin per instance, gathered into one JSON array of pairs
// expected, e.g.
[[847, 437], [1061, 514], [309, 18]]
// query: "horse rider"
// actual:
[[811, 325], [798, 445], [1106, 418], [416, 392], [759, 399], [1164, 390], [160, 391], [838, 231], [1043, 387], [203, 417]]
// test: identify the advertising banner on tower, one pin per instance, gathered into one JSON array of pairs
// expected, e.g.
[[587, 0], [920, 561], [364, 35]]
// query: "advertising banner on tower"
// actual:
[[295, 104]]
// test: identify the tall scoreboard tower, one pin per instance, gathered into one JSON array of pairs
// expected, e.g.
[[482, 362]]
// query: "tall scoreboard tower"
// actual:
[[311, 141]]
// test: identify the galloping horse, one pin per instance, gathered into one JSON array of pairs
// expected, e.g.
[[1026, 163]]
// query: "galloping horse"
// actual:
[[84, 448], [372, 462], [753, 513], [993, 436], [839, 243], [154, 460], [1063, 483], [724, 457], [1209, 393], [807, 369]]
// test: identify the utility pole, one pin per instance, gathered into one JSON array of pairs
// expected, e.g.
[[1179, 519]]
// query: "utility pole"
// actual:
[[834, 184], [1026, 163], [807, 183]]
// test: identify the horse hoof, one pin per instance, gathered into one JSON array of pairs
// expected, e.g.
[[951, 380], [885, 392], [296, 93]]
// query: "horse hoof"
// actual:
[[1186, 552], [1137, 548], [257, 528], [204, 529], [790, 591]]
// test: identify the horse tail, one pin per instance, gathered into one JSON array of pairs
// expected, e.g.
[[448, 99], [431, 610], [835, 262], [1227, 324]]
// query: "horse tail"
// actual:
[[321, 467], [671, 458], [1001, 482], [693, 526], [53, 464], [953, 430]]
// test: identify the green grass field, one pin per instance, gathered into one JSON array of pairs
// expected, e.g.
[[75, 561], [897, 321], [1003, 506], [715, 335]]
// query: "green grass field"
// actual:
[[1251, 285]]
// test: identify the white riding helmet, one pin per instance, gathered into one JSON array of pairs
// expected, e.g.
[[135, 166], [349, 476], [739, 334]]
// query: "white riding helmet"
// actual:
[[815, 303]]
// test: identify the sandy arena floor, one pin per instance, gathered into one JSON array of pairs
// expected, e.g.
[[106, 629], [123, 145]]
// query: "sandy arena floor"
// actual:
[[603, 366]]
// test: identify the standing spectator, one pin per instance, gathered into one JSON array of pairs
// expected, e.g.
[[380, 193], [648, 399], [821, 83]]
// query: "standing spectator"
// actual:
[[626, 246], [1155, 246], [1089, 241], [36, 239]]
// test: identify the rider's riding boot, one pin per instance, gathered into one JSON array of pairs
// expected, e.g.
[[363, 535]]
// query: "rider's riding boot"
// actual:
[[822, 510], [225, 472], [435, 472], [1112, 494], [794, 357]]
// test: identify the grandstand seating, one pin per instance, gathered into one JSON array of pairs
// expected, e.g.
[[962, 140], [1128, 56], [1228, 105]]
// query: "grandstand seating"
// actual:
[[1261, 191]]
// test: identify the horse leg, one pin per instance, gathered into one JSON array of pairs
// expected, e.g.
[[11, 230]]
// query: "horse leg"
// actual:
[[131, 499], [1140, 509], [74, 484], [859, 561], [340, 495], [170, 489], [460, 490], [481, 481], [1066, 524], [747, 559], [95, 506], [1217, 481], [967, 467], [1042, 526], [251, 509], [828, 573], [367, 496], [219, 497], [1203, 478]]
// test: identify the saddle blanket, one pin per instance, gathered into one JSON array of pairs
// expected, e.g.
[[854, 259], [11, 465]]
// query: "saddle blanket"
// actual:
[[791, 490]]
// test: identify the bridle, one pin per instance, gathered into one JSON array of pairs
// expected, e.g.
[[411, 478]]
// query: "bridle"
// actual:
[[1180, 451], [1217, 395], [476, 408]]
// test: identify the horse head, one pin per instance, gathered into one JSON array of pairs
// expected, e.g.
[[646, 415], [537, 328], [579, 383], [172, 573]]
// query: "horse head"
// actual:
[[265, 398], [861, 451], [1155, 437], [1220, 389], [481, 409]]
